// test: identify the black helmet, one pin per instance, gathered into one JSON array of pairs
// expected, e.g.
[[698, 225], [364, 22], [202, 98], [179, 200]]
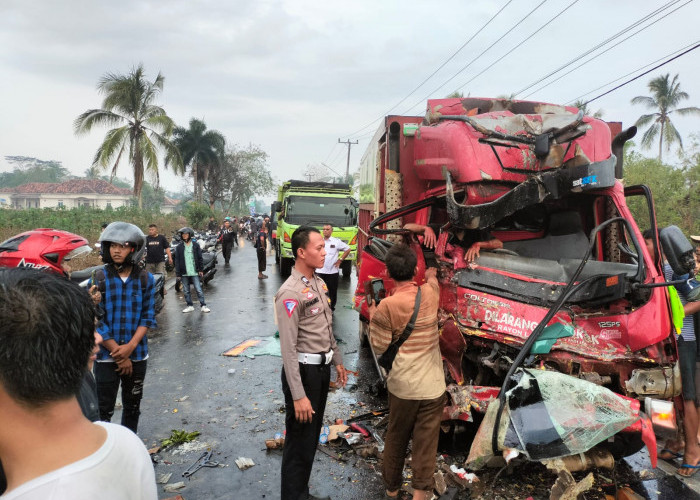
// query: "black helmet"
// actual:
[[186, 229], [124, 234]]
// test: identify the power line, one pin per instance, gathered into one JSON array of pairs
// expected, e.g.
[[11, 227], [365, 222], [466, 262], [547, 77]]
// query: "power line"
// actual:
[[519, 44], [571, 101], [435, 72], [596, 47], [606, 50], [479, 56], [642, 74]]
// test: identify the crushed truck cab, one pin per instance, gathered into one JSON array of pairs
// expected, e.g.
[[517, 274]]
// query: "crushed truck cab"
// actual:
[[574, 289], [314, 204]]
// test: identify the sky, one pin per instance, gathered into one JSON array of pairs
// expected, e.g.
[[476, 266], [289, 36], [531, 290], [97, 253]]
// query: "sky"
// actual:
[[295, 76]]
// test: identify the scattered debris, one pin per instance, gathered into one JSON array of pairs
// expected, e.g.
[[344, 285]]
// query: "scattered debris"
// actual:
[[244, 463], [331, 454], [440, 483], [179, 437], [183, 398], [164, 478], [154, 450], [176, 497], [259, 346], [276, 443], [204, 460], [172, 488], [566, 487]]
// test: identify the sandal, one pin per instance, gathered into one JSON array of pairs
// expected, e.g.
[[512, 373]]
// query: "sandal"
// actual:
[[693, 470], [670, 455]]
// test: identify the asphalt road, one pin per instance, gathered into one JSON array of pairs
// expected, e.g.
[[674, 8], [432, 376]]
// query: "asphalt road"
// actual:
[[189, 387]]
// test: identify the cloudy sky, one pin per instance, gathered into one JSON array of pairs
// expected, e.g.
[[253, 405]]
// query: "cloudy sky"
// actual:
[[294, 76]]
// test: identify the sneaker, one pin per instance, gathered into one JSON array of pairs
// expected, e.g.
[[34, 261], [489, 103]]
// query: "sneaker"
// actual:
[[205, 309], [188, 309]]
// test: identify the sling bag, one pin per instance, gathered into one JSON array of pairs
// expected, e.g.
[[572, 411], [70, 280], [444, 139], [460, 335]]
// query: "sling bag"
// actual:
[[387, 357]]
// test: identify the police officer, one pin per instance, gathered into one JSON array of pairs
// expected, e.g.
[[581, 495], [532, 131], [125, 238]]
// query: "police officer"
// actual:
[[304, 319]]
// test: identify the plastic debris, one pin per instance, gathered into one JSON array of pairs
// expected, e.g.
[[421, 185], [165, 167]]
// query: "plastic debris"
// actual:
[[550, 415], [462, 474], [244, 463]]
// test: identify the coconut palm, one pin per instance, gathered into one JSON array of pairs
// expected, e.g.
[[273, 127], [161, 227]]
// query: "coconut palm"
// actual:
[[666, 95], [201, 150], [142, 127]]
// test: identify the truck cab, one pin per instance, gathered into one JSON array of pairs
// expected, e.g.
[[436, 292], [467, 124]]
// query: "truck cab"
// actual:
[[544, 180], [314, 204]]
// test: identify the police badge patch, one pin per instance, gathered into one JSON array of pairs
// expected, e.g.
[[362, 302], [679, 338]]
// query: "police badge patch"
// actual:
[[290, 305]]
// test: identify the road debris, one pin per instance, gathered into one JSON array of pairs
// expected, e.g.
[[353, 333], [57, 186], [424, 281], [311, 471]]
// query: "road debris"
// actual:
[[566, 487], [164, 478], [244, 463], [178, 437], [257, 346], [204, 460], [172, 488]]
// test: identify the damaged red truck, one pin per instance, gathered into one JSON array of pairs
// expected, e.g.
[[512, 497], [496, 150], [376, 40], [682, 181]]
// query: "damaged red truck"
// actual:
[[545, 180]]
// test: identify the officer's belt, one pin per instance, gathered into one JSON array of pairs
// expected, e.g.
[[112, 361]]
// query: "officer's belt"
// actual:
[[315, 359]]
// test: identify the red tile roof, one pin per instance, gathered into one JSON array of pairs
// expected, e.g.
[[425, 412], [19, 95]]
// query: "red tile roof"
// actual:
[[170, 201], [74, 186]]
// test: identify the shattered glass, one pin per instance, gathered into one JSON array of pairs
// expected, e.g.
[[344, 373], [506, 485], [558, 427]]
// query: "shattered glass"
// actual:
[[549, 415]]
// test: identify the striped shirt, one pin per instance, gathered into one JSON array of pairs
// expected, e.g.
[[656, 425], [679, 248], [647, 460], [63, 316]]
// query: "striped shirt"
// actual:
[[417, 370], [127, 306], [688, 329]]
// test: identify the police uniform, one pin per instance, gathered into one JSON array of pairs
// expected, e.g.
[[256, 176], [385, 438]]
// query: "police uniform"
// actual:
[[304, 320]]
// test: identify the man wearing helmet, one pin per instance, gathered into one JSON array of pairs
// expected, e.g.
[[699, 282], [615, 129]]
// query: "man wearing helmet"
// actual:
[[128, 301], [189, 267]]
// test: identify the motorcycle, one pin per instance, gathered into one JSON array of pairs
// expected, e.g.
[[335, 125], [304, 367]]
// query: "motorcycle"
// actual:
[[54, 250]]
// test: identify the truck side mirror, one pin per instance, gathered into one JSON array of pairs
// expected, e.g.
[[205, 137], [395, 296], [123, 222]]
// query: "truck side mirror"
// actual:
[[677, 250], [276, 206]]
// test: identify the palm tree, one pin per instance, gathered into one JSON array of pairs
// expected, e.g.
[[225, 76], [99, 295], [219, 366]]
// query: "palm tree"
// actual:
[[583, 106], [200, 149], [141, 127], [665, 97]]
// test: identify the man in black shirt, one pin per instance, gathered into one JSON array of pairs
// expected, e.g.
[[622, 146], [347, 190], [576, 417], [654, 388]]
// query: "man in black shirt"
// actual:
[[227, 236], [157, 247], [471, 240]]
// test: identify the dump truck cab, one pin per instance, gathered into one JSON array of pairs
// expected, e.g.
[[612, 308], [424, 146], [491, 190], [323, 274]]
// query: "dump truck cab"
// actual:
[[544, 180]]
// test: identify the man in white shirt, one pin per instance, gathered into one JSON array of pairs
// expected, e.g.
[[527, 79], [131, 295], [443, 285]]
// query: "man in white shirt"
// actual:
[[47, 447], [329, 272]]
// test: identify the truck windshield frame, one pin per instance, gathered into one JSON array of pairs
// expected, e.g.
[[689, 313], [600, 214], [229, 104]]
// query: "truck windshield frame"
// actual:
[[313, 210]]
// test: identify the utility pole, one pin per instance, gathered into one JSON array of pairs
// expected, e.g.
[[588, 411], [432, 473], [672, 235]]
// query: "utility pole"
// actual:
[[347, 168]]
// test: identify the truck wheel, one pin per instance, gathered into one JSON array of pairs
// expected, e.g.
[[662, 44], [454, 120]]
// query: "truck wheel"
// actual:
[[364, 334], [346, 266], [286, 266]]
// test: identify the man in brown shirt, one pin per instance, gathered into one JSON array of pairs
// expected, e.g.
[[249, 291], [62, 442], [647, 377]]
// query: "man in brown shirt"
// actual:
[[416, 382], [304, 319]]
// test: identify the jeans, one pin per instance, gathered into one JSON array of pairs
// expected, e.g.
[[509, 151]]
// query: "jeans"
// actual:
[[192, 280], [132, 391]]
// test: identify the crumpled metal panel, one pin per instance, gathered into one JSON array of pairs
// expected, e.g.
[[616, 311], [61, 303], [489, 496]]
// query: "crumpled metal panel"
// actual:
[[466, 398]]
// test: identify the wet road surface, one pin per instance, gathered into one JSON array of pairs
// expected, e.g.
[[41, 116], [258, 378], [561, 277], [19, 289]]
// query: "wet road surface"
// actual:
[[189, 386]]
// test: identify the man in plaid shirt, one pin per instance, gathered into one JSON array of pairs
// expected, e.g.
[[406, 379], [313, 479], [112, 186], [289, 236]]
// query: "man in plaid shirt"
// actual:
[[129, 311]]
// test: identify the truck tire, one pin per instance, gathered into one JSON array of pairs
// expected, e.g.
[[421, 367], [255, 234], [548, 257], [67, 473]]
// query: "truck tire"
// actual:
[[286, 266], [346, 266]]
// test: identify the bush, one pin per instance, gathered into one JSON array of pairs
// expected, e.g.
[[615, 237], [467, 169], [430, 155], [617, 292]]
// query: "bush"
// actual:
[[84, 221], [197, 214]]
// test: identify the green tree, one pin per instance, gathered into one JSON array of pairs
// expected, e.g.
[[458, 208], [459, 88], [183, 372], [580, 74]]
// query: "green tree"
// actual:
[[27, 169], [141, 127], [200, 149], [666, 95], [242, 174]]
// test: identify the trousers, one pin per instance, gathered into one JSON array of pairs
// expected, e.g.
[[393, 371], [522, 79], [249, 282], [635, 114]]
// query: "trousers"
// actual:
[[197, 283], [420, 419], [331, 281], [262, 260], [301, 439], [108, 381], [226, 247]]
